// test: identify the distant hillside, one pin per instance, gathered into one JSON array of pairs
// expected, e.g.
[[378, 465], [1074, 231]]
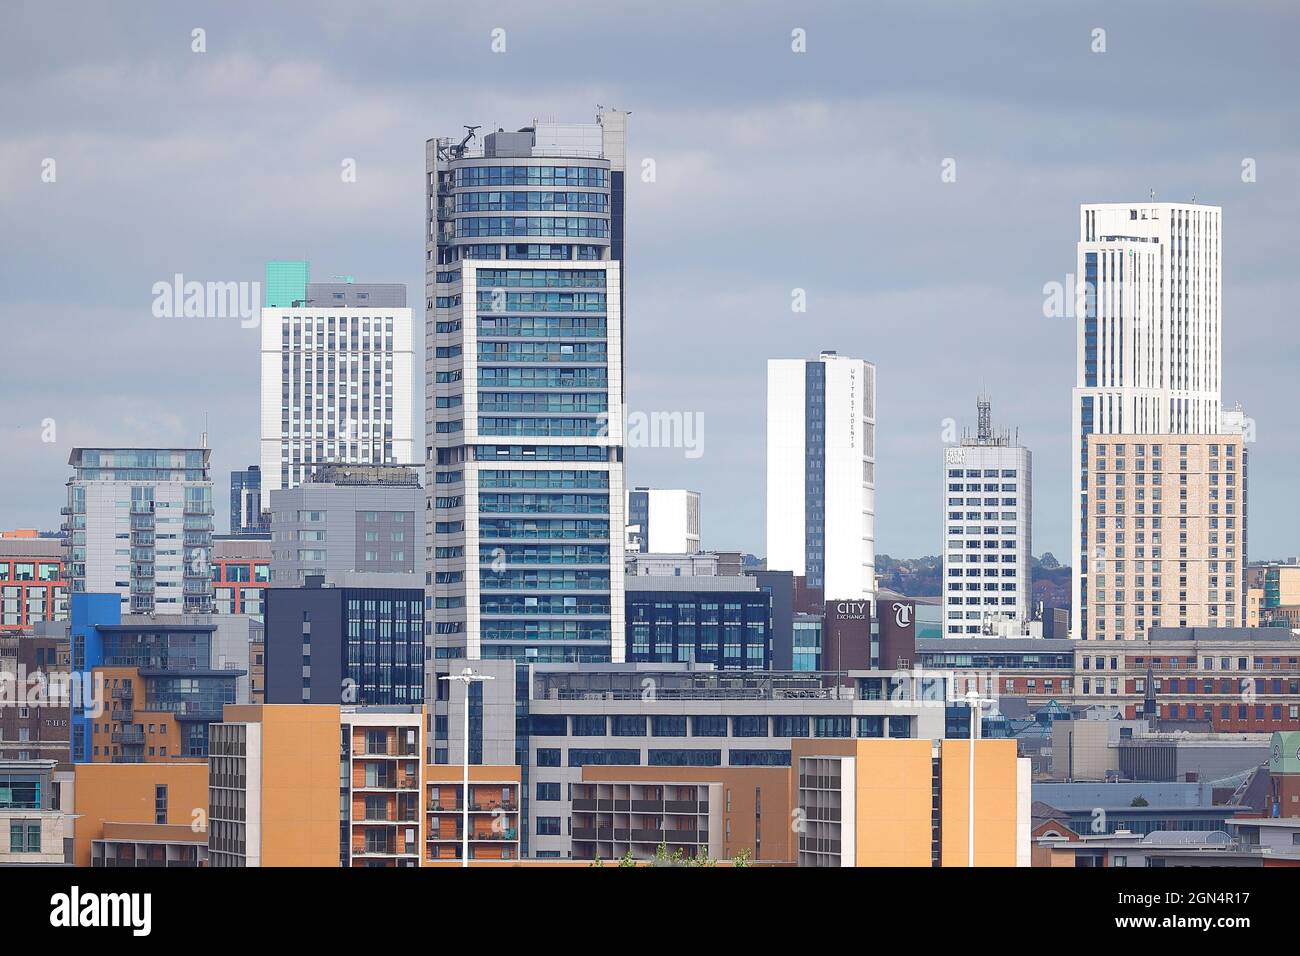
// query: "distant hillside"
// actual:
[[923, 577], [914, 577], [1049, 582]]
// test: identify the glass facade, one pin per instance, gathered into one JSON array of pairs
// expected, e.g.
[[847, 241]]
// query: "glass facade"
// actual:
[[525, 420], [384, 647], [807, 633], [731, 630], [246, 502]]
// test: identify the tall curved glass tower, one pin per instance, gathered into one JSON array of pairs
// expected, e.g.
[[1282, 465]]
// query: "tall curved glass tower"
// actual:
[[524, 392]]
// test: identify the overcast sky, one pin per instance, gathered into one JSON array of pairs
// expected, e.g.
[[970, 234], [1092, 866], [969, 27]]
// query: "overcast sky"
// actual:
[[775, 171]]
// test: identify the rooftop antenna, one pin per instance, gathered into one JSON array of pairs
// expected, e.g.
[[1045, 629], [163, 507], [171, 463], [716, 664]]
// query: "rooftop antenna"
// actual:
[[1152, 194], [985, 407]]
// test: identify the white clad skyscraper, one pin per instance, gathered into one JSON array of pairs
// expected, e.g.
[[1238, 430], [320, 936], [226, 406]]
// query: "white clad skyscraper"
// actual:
[[1149, 358], [821, 480], [337, 373]]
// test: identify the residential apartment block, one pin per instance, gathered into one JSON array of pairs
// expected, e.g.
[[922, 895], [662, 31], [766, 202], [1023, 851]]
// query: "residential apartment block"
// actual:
[[524, 403], [139, 524], [33, 584], [1149, 354], [337, 374], [1166, 534]]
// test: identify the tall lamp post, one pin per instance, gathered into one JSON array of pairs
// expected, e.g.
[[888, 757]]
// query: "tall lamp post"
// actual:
[[976, 703], [466, 677]]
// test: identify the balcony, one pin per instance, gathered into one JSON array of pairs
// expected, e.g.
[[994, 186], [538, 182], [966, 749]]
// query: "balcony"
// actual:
[[389, 783], [123, 714], [131, 738], [494, 835]]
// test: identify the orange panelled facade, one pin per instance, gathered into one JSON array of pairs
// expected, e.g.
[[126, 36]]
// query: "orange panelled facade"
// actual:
[[892, 796], [493, 817], [996, 802], [299, 796], [130, 793]]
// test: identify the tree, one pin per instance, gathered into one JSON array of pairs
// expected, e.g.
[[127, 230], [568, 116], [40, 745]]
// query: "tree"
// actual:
[[1139, 801]]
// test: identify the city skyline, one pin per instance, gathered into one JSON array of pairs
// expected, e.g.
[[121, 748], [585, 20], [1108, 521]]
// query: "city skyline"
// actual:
[[844, 436], [709, 161]]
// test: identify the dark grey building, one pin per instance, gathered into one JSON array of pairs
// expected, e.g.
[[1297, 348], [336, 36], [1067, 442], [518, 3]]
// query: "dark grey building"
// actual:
[[344, 644], [723, 621], [779, 585]]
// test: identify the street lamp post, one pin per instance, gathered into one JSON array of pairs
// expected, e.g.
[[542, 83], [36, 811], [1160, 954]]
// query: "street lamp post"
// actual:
[[975, 702], [466, 677]]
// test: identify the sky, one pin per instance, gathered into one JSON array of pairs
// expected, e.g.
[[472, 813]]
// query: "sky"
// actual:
[[774, 170]]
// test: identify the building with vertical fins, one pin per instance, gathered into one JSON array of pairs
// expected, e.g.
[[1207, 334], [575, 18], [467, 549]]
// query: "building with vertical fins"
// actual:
[[524, 392], [1149, 353], [337, 373]]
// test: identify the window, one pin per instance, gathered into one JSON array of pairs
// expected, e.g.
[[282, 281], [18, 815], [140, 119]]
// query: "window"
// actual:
[[749, 726], [548, 791], [630, 725], [790, 726], [589, 725], [709, 726], [160, 804], [668, 726], [548, 826], [24, 836], [685, 758], [831, 727]]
